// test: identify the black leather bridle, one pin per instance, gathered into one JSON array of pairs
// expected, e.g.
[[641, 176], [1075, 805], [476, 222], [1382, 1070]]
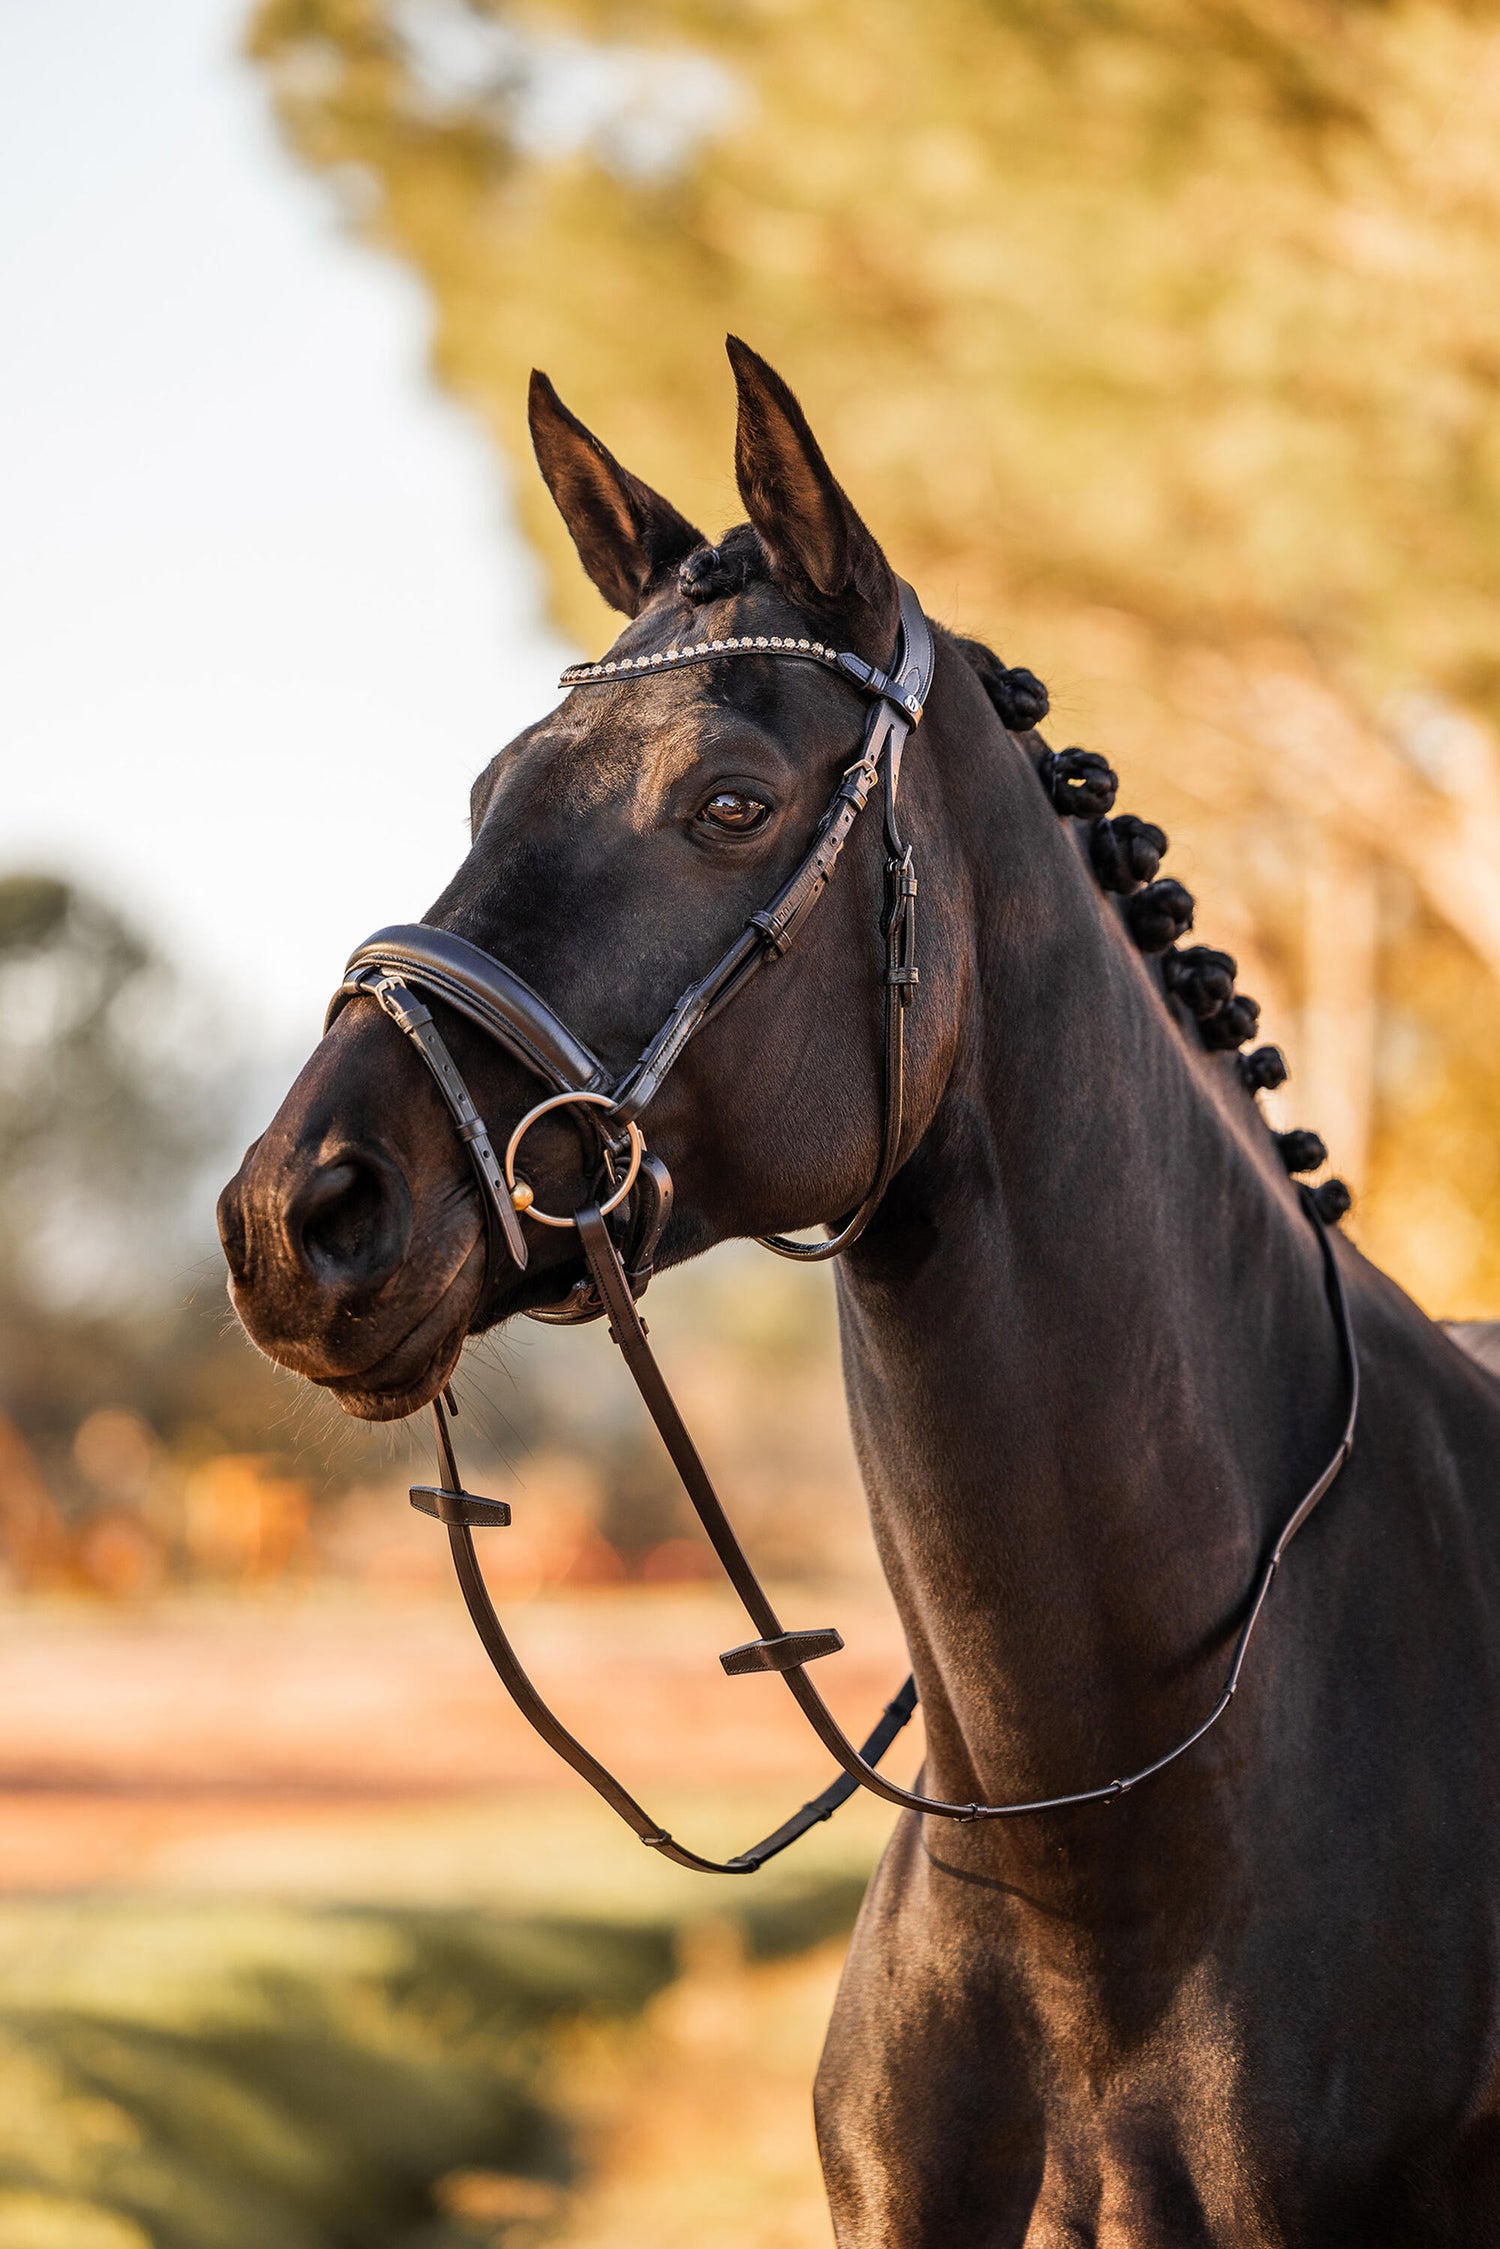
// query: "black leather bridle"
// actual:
[[620, 1227]]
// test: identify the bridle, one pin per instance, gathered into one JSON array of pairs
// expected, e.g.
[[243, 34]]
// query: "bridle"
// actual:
[[621, 1225], [388, 964]]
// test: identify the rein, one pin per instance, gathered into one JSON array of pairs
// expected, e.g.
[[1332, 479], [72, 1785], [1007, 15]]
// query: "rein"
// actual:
[[634, 1189]]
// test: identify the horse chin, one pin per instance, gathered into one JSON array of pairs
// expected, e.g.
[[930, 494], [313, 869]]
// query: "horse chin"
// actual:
[[368, 1397], [410, 1375], [406, 1378]]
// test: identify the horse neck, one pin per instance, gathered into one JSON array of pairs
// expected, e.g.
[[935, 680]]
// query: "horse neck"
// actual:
[[1089, 1360]]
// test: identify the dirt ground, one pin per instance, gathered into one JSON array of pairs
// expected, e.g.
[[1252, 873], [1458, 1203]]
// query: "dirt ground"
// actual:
[[350, 1743]]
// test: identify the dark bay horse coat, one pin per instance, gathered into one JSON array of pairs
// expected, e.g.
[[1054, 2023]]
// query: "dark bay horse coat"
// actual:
[[1090, 1367]]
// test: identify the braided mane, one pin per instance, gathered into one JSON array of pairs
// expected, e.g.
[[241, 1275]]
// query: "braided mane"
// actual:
[[1125, 853]]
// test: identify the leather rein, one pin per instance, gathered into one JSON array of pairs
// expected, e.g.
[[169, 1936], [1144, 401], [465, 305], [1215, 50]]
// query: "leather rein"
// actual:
[[620, 1227]]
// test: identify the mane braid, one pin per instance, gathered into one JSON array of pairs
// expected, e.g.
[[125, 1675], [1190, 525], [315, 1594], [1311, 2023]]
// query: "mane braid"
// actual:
[[1125, 854]]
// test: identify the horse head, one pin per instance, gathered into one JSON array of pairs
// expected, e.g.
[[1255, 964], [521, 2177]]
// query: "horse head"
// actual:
[[618, 846]]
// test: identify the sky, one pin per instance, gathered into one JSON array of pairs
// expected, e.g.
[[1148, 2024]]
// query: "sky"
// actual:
[[264, 612]]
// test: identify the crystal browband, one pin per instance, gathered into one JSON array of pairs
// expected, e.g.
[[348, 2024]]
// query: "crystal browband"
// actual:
[[866, 676]]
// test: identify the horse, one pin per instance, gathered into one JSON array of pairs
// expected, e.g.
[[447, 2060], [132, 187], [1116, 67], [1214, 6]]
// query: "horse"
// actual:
[[1089, 1363]]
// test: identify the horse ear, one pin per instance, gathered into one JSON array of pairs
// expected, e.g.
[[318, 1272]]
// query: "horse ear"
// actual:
[[627, 536], [820, 551]]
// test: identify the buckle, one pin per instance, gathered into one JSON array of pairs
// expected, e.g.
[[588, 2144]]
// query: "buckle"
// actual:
[[859, 779], [396, 999]]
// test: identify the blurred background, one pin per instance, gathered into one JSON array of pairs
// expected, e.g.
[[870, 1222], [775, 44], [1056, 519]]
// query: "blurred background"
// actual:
[[1160, 342]]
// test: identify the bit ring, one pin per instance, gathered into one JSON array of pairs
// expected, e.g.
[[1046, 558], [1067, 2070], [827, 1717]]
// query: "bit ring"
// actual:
[[527, 1208]]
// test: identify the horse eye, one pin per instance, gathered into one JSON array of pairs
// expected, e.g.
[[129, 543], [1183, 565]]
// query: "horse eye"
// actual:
[[728, 809]]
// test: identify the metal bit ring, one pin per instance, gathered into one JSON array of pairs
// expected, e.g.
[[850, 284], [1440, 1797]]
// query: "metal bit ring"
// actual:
[[520, 1193]]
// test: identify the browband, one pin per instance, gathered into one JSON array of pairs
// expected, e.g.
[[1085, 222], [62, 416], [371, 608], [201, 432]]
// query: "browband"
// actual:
[[907, 691]]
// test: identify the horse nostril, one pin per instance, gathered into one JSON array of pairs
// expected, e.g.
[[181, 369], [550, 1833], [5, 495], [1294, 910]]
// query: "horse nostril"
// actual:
[[350, 1222], [232, 1230]]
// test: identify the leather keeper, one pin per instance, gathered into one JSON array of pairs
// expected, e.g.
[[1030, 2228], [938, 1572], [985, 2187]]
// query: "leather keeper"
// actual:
[[460, 1507], [783, 1653]]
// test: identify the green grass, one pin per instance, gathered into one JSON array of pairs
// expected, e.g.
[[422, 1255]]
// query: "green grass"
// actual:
[[243, 2077], [258, 2076]]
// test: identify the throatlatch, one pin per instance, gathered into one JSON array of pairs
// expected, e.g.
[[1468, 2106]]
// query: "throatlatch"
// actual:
[[633, 1196]]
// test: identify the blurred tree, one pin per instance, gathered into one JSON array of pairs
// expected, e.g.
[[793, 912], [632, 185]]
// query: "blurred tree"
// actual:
[[103, 1119], [1160, 341], [114, 1106]]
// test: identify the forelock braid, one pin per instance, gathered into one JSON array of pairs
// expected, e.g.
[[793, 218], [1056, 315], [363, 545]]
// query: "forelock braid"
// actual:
[[711, 573]]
